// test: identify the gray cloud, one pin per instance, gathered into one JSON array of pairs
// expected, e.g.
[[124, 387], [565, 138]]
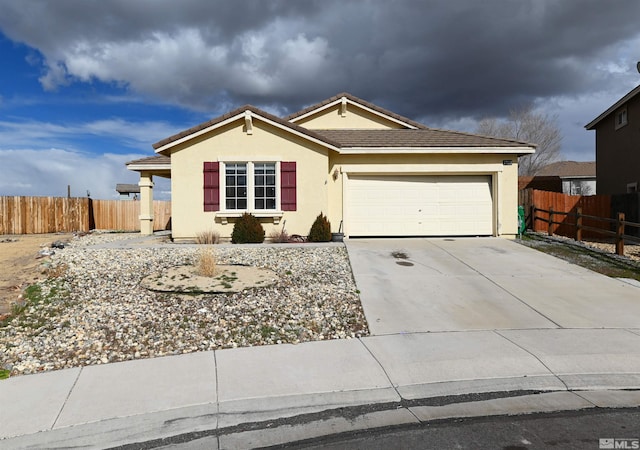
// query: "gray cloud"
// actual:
[[431, 60]]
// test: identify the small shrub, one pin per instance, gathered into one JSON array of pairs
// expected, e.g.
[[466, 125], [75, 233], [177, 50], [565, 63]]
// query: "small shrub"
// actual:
[[320, 230], [208, 237], [247, 229], [279, 236], [206, 263]]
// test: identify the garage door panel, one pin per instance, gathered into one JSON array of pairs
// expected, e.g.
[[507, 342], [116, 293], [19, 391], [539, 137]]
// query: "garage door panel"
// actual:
[[419, 205]]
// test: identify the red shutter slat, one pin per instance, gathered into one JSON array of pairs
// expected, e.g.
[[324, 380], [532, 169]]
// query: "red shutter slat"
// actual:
[[288, 200], [212, 186]]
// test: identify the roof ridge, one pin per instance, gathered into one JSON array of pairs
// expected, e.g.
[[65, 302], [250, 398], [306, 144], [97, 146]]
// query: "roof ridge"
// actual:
[[360, 101]]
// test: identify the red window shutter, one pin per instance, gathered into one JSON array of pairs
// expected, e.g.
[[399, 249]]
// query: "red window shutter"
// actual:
[[288, 186], [212, 186]]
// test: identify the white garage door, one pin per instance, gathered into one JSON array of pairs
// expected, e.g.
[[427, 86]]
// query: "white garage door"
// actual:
[[419, 206]]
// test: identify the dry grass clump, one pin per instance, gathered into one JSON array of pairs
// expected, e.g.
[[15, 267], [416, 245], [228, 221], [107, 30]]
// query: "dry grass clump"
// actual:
[[279, 236], [206, 265], [208, 237]]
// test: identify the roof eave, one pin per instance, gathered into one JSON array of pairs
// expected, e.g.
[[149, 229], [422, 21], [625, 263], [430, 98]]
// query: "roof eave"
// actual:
[[591, 125], [241, 115], [432, 150], [149, 167]]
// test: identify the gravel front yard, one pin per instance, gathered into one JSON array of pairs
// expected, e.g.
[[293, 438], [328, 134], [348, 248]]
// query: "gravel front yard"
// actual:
[[96, 312]]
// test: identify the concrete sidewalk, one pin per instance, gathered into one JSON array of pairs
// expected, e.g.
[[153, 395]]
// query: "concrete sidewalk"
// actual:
[[229, 393]]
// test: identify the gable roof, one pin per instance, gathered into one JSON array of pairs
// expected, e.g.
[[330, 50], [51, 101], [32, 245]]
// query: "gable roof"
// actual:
[[415, 139], [569, 169], [357, 101], [235, 115], [591, 125]]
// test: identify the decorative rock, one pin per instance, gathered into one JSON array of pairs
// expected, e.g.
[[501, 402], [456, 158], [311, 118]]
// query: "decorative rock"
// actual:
[[98, 310]]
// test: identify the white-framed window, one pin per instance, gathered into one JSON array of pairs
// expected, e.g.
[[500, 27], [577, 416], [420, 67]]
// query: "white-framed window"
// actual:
[[621, 117], [235, 178], [250, 186], [264, 186]]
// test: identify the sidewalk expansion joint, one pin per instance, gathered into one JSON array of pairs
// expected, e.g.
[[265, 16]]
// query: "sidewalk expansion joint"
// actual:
[[536, 357], [67, 398], [395, 387]]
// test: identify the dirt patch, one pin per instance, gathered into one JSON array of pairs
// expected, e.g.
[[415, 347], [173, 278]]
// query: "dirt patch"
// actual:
[[593, 256], [19, 265], [228, 278]]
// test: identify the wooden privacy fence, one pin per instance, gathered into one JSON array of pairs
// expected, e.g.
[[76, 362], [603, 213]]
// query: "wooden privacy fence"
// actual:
[[123, 215], [565, 224], [32, 215]]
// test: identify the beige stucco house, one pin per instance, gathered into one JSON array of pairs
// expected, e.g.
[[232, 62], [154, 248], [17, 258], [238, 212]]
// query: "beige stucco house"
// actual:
[[371, 171]]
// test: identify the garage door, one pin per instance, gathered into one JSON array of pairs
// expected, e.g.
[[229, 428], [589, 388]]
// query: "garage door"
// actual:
[[419, 206]]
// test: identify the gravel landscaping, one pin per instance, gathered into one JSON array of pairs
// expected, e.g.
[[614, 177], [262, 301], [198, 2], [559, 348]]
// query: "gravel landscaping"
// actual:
[[93, 309]]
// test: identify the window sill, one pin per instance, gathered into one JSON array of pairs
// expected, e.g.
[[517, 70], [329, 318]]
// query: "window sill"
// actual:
[[225, 215]]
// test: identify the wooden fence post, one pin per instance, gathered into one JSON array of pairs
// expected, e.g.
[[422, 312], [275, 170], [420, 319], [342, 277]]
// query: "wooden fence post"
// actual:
[[619, 234], [549, 228], [579, 224], [532, 217]]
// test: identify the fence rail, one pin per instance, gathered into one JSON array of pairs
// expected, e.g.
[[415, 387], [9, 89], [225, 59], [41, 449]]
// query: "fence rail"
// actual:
[[619, 233], [34, 215]]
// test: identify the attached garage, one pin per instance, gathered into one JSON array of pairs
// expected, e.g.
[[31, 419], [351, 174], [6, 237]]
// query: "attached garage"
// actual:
[[420, 205]]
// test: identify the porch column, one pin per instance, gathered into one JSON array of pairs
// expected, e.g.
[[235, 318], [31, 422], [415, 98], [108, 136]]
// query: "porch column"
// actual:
[[146, 203]]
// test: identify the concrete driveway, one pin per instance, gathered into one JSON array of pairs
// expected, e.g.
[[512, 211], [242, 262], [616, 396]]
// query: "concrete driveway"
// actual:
[[437, 284]]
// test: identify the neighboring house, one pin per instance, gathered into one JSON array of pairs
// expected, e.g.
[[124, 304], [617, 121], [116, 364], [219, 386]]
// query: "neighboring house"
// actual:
[[618, 145], [576, 178], [371, 171], [128, 191]]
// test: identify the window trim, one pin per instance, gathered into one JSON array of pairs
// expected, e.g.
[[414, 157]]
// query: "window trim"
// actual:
[[621, 112], [250, 190]]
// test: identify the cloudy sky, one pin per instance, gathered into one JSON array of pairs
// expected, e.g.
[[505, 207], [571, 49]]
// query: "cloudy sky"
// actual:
[[86, 85]]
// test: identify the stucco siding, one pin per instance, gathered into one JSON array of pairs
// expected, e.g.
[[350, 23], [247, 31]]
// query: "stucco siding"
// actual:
[[231, 143], [355, 118]]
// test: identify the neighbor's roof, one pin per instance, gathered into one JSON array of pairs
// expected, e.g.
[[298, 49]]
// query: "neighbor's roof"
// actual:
[[124, 188], [569, 169], [591, 125], [423, 138], [354, 99]]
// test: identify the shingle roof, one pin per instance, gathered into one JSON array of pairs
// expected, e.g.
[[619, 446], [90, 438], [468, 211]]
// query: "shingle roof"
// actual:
[[152, 160], [234, 113], [354, 99], [392, 138], [568, 169], [124, 188], [414, 139]]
